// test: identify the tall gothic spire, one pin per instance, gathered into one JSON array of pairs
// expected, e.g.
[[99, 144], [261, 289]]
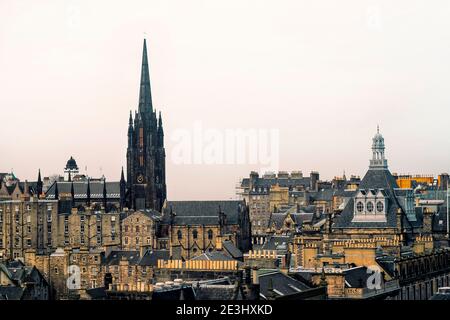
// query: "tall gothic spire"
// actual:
[[145, 94]]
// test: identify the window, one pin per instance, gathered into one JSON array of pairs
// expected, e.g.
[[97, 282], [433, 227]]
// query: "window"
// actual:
[[29, 229], [137, 229], [195, 234], [369, 206], [28, 219], [137, 240], [210, 234], [148, 240], [55, 270], [360, 206], [380, 206], [29, 242], [179, 235], [126, 228], [126, 240]]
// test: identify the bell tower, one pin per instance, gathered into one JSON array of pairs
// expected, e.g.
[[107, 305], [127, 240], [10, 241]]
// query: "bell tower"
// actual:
[[378, 159]]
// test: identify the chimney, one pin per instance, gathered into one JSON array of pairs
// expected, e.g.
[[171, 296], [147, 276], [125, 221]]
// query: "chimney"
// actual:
[[255, 278], [219, 243]]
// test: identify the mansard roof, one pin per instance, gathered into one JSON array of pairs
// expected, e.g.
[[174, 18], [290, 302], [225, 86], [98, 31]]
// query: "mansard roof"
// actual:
[[374, 179]]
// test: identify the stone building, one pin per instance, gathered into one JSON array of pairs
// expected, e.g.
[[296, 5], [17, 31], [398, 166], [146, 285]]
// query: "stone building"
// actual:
[[193, 227], [20, 282], [139, 229]]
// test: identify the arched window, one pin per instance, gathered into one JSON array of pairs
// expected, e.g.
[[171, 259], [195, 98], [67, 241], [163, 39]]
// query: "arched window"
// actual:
[[195, 234], [137, 229], [179, 235], [380, 206], [360, 206], [210, 234]]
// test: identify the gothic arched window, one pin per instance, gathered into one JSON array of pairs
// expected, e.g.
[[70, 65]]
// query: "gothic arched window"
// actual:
[[179, 235], [210, 234], [195, 234]]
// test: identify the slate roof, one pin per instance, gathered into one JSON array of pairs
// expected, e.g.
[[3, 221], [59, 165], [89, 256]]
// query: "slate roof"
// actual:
[[97, 293], [80, 189], [232, 250], [277, 243], [151, 258], [116, 256], [203, 212], [11, 293], [439, 223], [281, 283], [213, 256], [356, 277], [374, 179], [184, 293]]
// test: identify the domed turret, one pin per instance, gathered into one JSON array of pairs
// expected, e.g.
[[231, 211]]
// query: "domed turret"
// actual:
[[71, 169], [71, 164], [378, 161]]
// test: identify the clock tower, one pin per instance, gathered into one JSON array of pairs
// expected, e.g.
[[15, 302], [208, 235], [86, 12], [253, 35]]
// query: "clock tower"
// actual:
[[146, 172]]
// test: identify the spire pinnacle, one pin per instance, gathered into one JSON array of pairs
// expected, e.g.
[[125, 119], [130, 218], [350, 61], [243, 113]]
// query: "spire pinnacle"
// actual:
[[122, 176], [145, 94]]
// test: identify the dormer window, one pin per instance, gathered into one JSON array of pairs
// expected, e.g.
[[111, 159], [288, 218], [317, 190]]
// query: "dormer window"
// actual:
[[360, 206], [380, 206], [370, 205]]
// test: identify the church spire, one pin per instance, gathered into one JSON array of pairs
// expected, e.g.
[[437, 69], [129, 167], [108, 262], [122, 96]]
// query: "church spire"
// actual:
[[145, 94]]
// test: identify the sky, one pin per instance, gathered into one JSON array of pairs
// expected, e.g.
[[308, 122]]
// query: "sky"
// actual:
[[313, 78]]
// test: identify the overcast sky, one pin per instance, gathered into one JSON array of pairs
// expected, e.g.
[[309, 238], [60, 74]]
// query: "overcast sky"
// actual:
[[322, 73]]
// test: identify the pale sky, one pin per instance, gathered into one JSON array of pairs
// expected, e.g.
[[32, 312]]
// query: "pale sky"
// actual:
[[324, 73]]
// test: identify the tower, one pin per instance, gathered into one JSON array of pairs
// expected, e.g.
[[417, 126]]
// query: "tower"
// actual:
[[146, 178], [71, 169], [378, 160]]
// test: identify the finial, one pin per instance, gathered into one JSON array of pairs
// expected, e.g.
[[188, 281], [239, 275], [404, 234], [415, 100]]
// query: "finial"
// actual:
[[378, 128]]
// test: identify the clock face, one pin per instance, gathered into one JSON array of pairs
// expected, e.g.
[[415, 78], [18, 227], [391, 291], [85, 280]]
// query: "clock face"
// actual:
[[140, 178]]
